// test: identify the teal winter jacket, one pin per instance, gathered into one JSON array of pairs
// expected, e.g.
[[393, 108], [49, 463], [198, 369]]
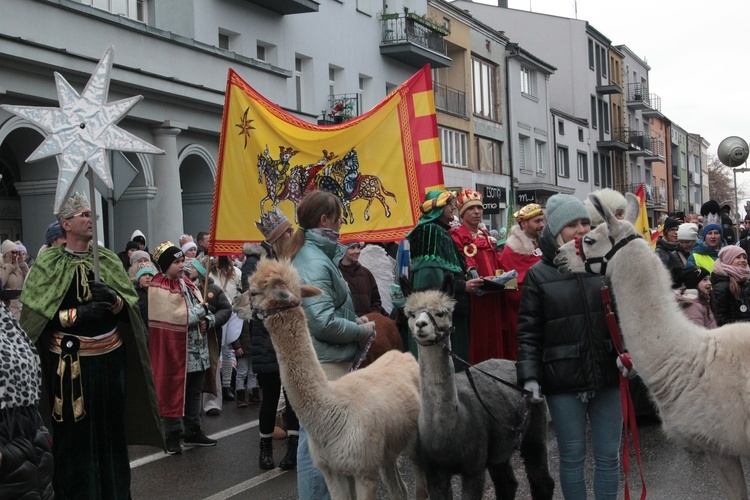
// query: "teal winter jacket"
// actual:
[[330, 316]]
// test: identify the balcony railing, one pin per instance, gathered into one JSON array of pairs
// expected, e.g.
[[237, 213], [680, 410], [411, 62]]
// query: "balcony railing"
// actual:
[[637, 97], [406, 28], [449, 99], [656, 149], [341, 108], [654, 195], [654, 107], [639, 143]]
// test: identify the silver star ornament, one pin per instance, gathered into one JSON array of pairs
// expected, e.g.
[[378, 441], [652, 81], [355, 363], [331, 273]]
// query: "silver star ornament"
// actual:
[[83, 128]]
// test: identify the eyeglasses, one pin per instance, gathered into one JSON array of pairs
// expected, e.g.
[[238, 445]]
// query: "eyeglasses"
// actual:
[[83, 215]]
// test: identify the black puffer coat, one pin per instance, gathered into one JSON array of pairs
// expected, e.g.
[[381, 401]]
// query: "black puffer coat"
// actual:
[[667, 253], [727, 306], [563, 340], [263, 355], [26, 468]]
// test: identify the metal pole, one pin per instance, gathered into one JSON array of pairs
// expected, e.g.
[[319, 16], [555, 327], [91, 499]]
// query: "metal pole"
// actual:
[[94, 222]]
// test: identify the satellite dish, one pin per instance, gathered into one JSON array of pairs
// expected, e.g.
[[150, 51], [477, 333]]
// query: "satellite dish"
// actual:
[[733, 151]]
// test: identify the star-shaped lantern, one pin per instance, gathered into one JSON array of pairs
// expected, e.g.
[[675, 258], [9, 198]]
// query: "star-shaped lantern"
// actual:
[[83, 128]]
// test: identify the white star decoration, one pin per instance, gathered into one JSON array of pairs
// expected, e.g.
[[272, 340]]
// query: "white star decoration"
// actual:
[[83, 128]]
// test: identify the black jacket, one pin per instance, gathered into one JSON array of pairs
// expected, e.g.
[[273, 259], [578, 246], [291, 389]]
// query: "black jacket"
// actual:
[[26, 467], [667, 254], [263, 355], [143, 303], [727, 306], [563, 339]]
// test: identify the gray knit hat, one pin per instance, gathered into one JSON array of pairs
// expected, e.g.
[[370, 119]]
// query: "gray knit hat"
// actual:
[[561, 210]]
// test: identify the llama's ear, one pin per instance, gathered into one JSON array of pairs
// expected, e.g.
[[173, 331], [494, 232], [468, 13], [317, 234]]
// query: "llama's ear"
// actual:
[[600, 207], [448, 285], [406, 288], [633, 207], [310, 291]]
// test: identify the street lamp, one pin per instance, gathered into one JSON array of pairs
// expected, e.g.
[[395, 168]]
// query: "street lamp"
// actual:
[[733, 152]]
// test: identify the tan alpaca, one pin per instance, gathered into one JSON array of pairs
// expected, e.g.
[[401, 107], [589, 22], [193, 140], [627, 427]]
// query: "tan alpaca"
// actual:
[[699, 379], [357, 425]]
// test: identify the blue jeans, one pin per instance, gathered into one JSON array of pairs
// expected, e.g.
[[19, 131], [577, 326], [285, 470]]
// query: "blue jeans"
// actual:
[[311, 485], [604, 413]]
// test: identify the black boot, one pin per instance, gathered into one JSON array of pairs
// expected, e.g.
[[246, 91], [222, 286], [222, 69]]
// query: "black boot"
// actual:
[[226, 394], [173, 443], [289, 461], [266, 453], [241, 399]]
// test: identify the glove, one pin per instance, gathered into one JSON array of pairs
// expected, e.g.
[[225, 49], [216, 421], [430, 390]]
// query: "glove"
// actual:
[[93, 311], [369, 327], [626, 366], [102, 293], [536, 393]]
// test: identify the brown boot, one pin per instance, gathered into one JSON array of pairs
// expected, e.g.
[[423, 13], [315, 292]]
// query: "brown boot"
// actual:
[[255, 398], [240, 399]]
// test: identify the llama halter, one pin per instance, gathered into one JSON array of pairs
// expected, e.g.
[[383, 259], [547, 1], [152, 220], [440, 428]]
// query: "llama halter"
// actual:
[[606, 258]]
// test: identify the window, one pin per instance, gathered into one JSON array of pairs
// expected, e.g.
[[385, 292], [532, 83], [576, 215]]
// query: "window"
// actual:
[[483, 80], [223, 41], [228, 40], [605, 118], [591, 54], [540, 150], [528, 81], [488, 155], [563, 165], [583, 167], [453, 147], [523, 152], [580, 134], [298, 83], [604, 62], [560, 127], [132, 9], [261, 53], [593, 112], [331, 80], [596, 169], [607, 172]]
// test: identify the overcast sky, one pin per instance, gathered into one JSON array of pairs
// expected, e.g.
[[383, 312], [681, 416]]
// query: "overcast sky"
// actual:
[[697, 51]]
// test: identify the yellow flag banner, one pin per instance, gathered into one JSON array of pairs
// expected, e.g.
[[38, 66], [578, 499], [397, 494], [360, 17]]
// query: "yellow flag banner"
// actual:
[[641, 223], [379, 164]]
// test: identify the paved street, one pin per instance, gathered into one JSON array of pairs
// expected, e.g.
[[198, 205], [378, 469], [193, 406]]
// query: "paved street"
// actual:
[[230, 470]]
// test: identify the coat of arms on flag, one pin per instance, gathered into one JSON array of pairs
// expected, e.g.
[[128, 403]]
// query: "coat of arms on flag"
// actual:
[[379, 165]]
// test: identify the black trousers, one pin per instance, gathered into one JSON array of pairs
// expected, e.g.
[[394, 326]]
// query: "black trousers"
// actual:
[[271, 385]]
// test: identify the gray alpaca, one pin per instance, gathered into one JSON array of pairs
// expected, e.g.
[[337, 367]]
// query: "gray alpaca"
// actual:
[[456, 434]]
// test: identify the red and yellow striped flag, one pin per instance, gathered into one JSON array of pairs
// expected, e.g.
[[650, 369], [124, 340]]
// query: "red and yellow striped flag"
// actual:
[[380, 164]]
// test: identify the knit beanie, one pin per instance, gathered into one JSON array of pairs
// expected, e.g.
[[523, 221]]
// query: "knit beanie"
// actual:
[[712, 227], [687, 231], [187, 246], [165, 254], [138, 255], [8, 246], [21, 248], [132, 245], [691, 276], [729, 253], [561, 210], [144, 270], [669, 223], [54, 231]]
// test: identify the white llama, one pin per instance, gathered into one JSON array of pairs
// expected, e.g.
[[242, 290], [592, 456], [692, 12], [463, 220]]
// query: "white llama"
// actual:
[[698, 378], [457, 435], [357, 425]]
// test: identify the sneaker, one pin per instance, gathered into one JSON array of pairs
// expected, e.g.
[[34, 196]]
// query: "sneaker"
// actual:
[[173, 443], [198, 438]]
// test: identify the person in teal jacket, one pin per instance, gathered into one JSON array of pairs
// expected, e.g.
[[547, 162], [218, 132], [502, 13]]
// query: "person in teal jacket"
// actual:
[[333, 325]]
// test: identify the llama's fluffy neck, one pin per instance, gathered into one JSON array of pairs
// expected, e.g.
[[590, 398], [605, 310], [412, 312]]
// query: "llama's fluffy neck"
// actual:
[[438, 388], [301, 373], [653, 327]]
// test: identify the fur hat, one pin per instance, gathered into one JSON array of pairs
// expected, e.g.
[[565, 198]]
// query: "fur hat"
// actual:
[[73, 205], [562, 209], [687, 231], [54, 231], [466, 199], [528, 212], [138, 255], [691, 276], [611, 199], [8, 246], [273, 224], [710, 207], [669, 223], [165, 254], [729, 253]]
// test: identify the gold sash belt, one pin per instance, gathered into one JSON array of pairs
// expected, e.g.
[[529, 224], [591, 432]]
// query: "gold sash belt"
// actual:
[[70, 347]]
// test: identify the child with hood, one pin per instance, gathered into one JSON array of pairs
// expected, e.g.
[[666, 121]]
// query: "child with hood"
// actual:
[[695, 299]]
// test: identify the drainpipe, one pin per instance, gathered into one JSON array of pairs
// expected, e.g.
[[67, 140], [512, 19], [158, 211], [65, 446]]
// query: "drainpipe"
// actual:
[[511, 140]]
